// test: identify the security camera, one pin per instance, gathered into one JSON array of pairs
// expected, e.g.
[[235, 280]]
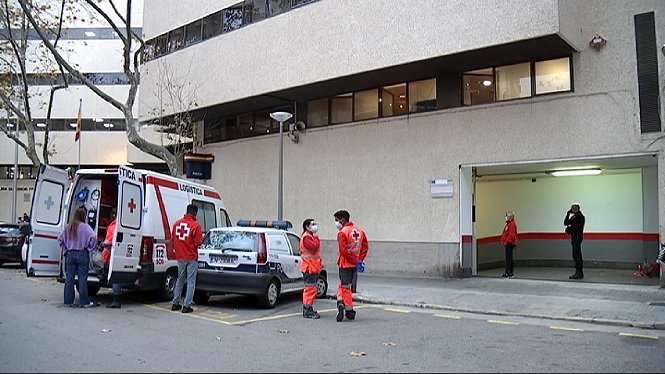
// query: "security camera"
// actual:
[[300, 126]]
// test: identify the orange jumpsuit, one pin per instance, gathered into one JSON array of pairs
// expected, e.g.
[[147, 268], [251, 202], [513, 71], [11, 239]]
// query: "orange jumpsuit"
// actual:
[[310, 253], [353, 247]]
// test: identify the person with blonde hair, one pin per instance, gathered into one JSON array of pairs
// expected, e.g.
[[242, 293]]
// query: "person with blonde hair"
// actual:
[[77, 240], [509, 241]]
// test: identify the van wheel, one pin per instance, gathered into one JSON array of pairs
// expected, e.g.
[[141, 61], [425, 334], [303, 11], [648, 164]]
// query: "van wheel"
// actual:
[[270, 295], [165, 292], [201, 297], [321, 286]]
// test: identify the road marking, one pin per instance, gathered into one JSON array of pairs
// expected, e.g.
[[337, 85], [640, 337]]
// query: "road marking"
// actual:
[[565, 328], [447, 316], [638, 336], [397, 310], [502, 322]]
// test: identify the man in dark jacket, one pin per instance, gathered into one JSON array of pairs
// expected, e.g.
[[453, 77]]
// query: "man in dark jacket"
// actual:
[[574, 223]]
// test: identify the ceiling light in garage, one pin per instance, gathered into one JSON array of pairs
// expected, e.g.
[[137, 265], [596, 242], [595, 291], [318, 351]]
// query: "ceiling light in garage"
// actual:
[[566, 173]]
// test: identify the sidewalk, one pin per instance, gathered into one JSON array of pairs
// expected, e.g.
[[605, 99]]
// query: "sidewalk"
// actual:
[[600, 303]]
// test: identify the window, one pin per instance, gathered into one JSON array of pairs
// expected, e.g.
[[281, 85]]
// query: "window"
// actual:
[[226, 221], [553, 76], [254, 11], [206, 215], [193, 32], [212, 25], [365, 105], [176, 39], [263, 124], [48, 204], [317, 112], [232, 19], [422, 95], [276, 7], [393, 100], [478, 87], [513, 81], [160, 48], [341, 108], [295, 243]]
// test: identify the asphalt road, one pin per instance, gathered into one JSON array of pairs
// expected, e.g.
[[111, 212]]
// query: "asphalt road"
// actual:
[[232, 334]]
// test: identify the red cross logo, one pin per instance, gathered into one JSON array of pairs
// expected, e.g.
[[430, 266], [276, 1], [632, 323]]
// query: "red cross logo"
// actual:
[[182, 231], [355, 234], [131, 205]]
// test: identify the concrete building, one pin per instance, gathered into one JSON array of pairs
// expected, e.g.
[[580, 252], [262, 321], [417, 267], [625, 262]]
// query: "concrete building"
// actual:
[[428, 120], [95, 48]]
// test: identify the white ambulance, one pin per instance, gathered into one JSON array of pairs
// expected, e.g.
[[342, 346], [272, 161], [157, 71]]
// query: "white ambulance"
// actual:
[[147, 205]]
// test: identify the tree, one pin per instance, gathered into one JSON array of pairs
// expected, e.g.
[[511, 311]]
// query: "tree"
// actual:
[[133, 46]]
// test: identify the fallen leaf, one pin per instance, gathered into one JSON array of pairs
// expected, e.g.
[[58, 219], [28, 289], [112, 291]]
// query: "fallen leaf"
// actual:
[[389, 344], [283, 331], [106, 330], [357, 354], [218, 338]]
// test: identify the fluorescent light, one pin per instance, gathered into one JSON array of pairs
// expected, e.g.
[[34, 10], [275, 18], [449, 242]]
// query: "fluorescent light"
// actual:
[[487, 83], [41, 124], [10, 125], [565, 173], [98, 119], [72, 124], [108, 125], [90, 34]]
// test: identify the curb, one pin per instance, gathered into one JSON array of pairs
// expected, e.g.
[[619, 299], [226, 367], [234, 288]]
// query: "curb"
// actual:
[[597, 321]]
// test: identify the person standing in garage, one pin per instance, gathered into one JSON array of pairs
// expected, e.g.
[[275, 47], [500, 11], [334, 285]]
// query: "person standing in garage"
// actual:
[[310, 253], [509, 241], [574, 222], [353, 247]]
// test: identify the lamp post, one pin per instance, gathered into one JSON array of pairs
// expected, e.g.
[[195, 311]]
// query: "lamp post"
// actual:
[[280, 117]]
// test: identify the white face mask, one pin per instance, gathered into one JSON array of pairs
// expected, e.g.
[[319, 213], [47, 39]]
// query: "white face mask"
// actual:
[[339, 225], [507, 218], [315, 228]]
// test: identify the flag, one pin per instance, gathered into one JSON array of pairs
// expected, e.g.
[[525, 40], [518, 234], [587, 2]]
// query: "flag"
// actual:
[[78, 123]]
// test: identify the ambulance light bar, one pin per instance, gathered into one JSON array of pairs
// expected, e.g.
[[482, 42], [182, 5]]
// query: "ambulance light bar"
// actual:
[[282, 225]]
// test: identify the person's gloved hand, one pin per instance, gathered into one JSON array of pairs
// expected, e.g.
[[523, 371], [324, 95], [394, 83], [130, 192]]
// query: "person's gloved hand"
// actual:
[[360, 266]]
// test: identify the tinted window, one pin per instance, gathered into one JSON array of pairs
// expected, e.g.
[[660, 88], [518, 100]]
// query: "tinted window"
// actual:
[[206, 215], [233, 240], [295, 243]]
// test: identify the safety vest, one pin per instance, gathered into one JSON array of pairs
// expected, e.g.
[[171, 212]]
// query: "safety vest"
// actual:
[[311, 258]]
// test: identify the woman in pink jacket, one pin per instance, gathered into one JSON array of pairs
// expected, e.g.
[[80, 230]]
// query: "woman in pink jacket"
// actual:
[[509, 241]]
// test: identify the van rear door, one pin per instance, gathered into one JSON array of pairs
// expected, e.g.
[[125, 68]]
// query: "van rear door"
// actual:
[[47, 220], [126, 248]]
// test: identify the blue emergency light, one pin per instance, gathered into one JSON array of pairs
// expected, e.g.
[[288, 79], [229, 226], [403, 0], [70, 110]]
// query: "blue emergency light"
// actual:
[[282, 225]]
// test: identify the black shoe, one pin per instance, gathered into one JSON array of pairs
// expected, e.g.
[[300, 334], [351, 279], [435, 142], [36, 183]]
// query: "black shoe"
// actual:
[[511, 276], [313, 314], [504, 275], [187, 309], [340, 312], [350, 314], [576, 276], [176, 307]]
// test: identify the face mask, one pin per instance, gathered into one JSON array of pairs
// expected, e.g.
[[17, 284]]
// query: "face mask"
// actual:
[[315, 228], [338, 224], [507, 218]]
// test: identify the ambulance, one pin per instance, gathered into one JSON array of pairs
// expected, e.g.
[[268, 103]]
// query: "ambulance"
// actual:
[[146, 203]]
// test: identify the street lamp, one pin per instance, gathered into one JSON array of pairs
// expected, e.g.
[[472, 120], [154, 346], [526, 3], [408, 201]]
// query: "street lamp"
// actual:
[[280, 117]]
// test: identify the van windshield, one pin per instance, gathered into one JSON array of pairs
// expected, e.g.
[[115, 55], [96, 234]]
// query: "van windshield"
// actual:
[[231, 240]]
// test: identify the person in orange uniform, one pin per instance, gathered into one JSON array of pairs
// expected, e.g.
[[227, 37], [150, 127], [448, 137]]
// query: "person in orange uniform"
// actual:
[[310, 253], [186, 236], [353, 248], [509, 241], [106, 259]]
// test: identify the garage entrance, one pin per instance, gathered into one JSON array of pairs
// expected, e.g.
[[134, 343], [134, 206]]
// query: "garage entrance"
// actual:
[[619, 201]]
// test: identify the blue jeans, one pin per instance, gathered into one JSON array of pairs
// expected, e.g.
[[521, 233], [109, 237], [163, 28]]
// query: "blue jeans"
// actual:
[[77, 263], [115, 286], [187, 270]]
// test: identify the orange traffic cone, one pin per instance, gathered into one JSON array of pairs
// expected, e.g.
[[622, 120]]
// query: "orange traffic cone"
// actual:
[[640, 270]]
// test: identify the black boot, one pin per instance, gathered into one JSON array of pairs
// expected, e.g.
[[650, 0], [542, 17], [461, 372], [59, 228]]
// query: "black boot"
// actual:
[[309, 312], [340, 311], [577, 275], [350, 314], [115, 304]]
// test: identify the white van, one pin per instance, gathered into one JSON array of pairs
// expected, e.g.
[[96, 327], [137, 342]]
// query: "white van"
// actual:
[[147, 205]]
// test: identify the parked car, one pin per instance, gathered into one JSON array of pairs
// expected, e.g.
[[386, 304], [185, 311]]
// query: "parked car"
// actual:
[[12, 238], [259, 258]]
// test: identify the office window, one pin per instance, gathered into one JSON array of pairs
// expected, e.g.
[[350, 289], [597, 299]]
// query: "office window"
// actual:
[[422, 95], [176, 39], [232, 18], [263, 124], [513, 81], [341, 108], [193, 32], [160, 48], [478, 87], [212, 25], [254, 11], [317, 112], [553, 76], [365, 105], [393, 100]]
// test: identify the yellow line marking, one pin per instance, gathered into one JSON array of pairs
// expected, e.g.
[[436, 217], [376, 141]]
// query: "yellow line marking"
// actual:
[[397, 310], [566, 328], [447, 316], [502, 322], [638, 335]]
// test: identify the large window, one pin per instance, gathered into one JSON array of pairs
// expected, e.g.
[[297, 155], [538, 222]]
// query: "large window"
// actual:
[[478, 87], [366, 105], [317, 112], [341, 108], [422, 95], [513, 81], [393, 100], [553, 76]]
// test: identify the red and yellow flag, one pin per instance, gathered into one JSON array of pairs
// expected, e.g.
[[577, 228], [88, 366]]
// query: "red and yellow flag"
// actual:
[[78, 123]]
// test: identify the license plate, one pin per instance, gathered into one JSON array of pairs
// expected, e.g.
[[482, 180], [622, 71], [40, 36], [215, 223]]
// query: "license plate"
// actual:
[[223, 260]]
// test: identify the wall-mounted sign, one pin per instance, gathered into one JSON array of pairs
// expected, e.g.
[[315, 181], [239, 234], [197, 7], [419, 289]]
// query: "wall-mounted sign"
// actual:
[[441, 188], [198, 166]]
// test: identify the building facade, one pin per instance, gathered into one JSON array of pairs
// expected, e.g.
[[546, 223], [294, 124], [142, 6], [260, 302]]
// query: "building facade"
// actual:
[[428, 120]]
